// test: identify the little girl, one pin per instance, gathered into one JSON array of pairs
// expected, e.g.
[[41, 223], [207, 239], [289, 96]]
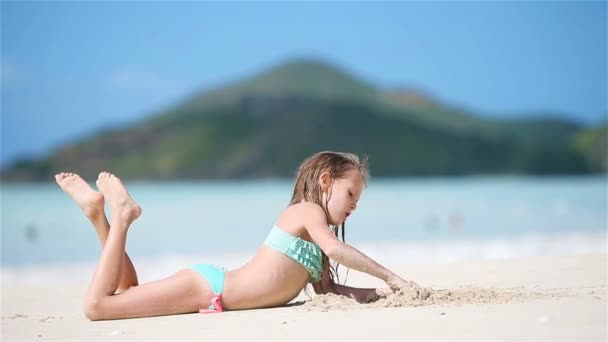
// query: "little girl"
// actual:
[[296, 251]]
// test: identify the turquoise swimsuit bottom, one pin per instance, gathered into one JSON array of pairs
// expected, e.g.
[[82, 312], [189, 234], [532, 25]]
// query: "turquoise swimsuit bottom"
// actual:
[[307, 253], [215, 276]]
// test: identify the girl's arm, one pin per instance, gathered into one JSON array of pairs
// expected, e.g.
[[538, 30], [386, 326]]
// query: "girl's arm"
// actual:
[[316, 225]]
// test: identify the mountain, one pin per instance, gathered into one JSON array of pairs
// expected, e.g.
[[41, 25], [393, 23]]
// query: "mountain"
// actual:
[[592, 143], [266, 125]]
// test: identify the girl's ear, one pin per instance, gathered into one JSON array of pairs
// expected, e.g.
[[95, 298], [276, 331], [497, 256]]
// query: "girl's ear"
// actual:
[[324, 181]]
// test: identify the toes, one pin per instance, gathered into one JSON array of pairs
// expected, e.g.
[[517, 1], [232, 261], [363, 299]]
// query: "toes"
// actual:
[[61, 176], [103, 176], [106, 174]]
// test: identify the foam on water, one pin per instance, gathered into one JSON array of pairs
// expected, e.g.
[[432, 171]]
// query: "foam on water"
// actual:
[[388, 253]]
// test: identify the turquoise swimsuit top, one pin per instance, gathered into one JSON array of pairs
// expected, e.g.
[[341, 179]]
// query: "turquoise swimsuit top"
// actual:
[[307, 253]]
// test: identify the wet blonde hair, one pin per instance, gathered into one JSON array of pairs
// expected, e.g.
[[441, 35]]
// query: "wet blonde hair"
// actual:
[[308, 188]]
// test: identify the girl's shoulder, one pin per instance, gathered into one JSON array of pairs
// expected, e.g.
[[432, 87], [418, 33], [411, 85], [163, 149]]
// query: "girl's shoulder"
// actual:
[[306, 208], [293, 218]]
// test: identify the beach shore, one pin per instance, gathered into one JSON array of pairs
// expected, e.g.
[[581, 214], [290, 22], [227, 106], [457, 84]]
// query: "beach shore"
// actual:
[[551, 298]]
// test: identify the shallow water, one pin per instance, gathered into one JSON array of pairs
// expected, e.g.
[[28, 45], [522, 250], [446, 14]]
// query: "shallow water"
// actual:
[[436, 218]]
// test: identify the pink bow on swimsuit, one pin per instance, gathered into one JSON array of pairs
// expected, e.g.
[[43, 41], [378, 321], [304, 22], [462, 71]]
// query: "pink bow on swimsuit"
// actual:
[[214, 307]]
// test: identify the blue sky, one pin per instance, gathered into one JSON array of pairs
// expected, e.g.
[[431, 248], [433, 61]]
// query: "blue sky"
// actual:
[[70, 68]]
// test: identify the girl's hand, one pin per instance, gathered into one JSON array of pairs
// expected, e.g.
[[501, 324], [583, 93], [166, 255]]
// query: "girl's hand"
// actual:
[[384, 292], [397, 283], [376, 294]]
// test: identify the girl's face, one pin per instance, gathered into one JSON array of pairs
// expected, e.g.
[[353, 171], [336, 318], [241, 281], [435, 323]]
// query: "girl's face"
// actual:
[[344, 195]]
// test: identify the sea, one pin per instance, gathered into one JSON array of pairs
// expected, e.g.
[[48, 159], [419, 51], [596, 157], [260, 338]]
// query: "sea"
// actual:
[[46, 237]]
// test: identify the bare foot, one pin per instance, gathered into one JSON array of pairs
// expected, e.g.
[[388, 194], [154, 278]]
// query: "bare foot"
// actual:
[[122, 205], [89, 200]]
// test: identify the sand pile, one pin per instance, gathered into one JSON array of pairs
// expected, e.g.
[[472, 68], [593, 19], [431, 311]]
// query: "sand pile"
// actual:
[[421, 296]]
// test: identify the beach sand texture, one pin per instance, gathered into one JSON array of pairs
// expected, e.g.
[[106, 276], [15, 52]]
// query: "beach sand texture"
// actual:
[[534, 298]]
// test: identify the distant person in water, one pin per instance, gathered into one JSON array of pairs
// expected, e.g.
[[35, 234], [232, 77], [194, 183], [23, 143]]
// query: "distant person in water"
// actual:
[[296, 251]]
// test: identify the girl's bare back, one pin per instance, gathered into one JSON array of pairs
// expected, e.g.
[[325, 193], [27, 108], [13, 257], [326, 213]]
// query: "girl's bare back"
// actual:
[[270, 278]]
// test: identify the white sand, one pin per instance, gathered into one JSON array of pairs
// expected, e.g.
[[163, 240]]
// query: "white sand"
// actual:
[[537, 298]]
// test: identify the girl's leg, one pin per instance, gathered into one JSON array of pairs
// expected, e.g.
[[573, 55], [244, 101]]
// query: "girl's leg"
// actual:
[[184, 292], [92, 203], [128, 276]]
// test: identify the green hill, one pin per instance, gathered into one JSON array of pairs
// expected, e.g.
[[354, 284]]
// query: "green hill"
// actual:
[[593, 145], [266, 125]]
